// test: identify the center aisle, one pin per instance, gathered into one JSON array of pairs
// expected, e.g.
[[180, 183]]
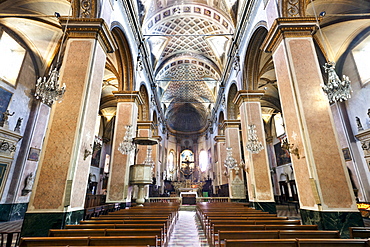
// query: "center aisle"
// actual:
[[187, 232]]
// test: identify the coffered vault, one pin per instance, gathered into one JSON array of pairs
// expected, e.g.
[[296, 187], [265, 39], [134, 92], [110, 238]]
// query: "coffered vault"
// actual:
[[188, 41]]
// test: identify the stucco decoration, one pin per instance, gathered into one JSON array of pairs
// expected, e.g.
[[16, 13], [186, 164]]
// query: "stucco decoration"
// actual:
[[293, 8]]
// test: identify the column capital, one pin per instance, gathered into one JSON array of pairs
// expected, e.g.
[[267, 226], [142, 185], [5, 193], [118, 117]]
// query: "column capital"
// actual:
[[289, 27], [248, 96], [128, 96], [90, 28], [231, 124], [219, 138], [145, 125]]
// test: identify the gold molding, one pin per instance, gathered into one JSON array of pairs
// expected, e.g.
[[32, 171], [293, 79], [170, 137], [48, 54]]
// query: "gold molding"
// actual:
[[231, 124], [219, 138], [288, 28], [243, 96], [128, 96], [90, 28]]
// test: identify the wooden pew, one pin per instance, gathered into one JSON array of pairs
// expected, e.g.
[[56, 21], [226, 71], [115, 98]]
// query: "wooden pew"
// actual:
[[359, 232], [108, 232], [275, 234], [296, 243], [216, 228], [90, 241], [247, 222]]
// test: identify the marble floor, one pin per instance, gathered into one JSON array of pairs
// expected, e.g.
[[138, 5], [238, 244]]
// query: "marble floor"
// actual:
[[187, 231]]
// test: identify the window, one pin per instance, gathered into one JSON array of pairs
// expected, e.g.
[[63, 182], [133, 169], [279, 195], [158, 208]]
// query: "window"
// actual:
[[361, 54], [203, 160], [12, 56], [170, 164], [279, 125]]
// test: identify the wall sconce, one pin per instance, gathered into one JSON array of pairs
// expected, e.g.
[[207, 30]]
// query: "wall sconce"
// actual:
[[87, 152], [290, 148]]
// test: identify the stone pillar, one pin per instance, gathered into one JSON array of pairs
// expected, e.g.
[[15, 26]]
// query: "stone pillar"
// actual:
[[60, 186], [155, 156], [325, 193], [235, 177], [257, 167], [221, 155], [127, 112]]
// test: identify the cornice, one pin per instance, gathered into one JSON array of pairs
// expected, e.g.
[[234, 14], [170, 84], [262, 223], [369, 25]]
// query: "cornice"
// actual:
[[243, 96], [128, 96], [90, 28], [219, 138], [289, 27], [231, 124]]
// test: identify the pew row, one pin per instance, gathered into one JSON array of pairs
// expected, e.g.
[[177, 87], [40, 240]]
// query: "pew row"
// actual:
[[274, 234]]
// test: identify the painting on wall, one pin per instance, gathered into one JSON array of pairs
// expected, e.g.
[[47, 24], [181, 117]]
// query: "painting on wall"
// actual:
[[2, 173], [5, 97], [346, 154], [34, 154]]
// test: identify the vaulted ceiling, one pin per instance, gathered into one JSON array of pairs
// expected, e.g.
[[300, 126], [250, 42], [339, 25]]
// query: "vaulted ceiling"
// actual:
[[189, 41]]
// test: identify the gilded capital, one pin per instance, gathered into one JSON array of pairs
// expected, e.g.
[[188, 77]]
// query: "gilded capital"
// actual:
[[128, 96], [90, 28], [288, 28], [243, 96]]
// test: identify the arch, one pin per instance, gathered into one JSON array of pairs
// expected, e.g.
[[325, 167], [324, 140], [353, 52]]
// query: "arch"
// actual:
[[155, 124], [232, 109], [221, 119], [144, 108], [124, 60], [252, 71]]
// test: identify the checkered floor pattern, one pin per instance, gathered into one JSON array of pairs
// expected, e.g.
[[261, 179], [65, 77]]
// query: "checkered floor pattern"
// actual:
[[187, 232]]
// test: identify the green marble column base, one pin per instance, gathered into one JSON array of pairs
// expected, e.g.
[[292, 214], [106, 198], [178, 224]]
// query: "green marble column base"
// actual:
[[38, 224], [340, 221], [10, 212], [264, 206]]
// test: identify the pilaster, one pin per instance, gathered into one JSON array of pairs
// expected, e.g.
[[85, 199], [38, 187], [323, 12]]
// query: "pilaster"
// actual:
[[127, 112], [256, 164], [60, 185], [308, 121], [235, 177]]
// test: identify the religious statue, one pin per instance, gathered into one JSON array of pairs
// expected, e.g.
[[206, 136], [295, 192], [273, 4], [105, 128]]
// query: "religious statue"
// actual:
[[18, 125], [359, 125], [368, 118], [28, 184], [187, 171], [4, 121]]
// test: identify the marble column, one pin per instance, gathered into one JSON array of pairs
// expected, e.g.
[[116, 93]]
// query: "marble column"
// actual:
[[257, 167], [58, 196], [155, 156], [235, 176], [118, 183], [324, 189], [144, 129], [220, 157]]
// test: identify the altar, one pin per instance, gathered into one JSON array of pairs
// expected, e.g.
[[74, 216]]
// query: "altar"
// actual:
[[189, 198]]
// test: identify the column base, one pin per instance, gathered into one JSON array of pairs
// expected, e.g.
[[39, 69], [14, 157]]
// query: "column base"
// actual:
[[264, 206], [10, 212], [38, 224], [332, 220]]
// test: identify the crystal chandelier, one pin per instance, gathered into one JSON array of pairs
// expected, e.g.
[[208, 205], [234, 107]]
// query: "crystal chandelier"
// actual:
[[335, 89], [230, 162], [253, 145], [127, 145], [48, 90]]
